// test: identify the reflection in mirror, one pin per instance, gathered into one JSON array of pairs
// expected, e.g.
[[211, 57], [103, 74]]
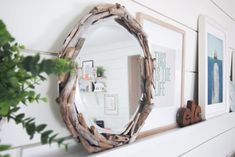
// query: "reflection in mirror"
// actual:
[[109, 77]]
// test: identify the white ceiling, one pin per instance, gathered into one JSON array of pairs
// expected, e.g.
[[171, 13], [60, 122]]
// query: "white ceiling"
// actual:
[[228, 6]]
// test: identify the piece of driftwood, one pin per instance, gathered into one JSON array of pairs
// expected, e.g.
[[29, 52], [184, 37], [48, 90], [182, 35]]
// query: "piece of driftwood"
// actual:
[[189, 115], [91, 139]]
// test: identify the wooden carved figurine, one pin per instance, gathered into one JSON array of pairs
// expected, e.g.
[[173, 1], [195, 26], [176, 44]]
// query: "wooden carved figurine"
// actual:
[[189, 115]]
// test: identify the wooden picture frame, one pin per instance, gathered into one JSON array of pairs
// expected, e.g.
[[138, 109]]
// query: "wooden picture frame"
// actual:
[[168, 42], [213, 68]]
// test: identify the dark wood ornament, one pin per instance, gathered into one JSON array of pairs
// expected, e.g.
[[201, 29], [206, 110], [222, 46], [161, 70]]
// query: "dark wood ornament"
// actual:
[[189, 115]]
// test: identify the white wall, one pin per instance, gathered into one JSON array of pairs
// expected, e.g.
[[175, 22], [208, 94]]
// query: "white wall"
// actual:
[[43, 25]]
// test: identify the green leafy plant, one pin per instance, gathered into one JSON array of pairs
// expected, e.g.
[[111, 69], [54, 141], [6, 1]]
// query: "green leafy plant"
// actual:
[[3, 148], [100, 71], [18, 76]]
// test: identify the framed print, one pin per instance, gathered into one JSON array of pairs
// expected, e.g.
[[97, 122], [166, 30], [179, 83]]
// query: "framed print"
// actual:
[[213, 68], [232, 80], [232, 70], [87, 69], [80, 72], [111, 104], [167, 47]]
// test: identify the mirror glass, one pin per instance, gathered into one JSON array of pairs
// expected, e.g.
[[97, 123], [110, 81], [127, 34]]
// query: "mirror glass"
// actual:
[[109, 85]]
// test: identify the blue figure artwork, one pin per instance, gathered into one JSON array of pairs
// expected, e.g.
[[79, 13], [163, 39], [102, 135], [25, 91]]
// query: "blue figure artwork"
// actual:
[[215, 69]]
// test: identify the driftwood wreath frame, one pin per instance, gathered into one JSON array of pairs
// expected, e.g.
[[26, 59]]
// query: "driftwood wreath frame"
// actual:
[[92, 140]]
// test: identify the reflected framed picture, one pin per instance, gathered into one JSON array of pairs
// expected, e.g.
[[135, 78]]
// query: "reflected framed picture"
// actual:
[[213, 68], [87, 69], [166, 43], [111, 104]]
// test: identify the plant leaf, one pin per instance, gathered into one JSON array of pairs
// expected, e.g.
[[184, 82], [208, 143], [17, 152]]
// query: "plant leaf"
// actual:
[[41, 127], [19, 118], [4, 147], [52, 138], [44, 99], [4, 108], [45, 136], [60, 141], [66, 147], [30, 129], [15, 109]]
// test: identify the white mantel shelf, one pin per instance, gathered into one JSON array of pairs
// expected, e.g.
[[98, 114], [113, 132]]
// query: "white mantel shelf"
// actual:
[[183, 141], [214, 137]]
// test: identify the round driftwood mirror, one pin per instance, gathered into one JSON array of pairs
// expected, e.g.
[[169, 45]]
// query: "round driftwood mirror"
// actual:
[[89, 87]]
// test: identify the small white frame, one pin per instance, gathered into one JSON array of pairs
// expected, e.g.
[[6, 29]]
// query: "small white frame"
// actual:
[[111, 104], [213, 68]]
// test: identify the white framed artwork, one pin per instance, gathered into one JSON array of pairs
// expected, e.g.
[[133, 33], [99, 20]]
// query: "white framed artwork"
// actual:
[[232, 80], [111, 104], [167, 47], [213, 68]]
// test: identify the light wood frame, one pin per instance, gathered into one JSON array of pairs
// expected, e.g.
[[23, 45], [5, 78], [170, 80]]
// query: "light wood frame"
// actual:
[[141, 17], [232, 63], [91, 139]]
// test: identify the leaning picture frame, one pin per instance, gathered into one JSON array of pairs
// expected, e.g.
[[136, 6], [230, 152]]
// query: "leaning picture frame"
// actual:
[[87, 69], [167, 43], [232, 67], [213, 68]]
